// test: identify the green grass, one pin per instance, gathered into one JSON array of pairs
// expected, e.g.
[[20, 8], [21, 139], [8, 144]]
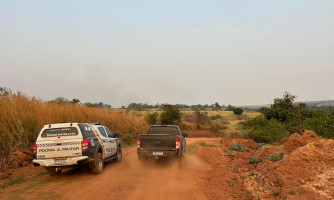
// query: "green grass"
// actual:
[[16, 180], [237, 147], [41, 173], [254, 160], [301, 191], [275, 158], [191, 149], [21, 178], [13, 181], [275, 194], [203, 144], [16, 194]]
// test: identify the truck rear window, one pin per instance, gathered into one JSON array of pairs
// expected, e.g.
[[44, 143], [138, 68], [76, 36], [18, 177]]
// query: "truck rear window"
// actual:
[[57, 132], [163, 130]]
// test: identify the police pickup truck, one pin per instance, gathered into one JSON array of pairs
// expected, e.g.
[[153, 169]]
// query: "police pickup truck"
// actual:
[[68, 145]]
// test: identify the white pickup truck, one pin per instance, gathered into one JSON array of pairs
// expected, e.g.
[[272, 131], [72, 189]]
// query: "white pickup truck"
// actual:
[[68, 145]]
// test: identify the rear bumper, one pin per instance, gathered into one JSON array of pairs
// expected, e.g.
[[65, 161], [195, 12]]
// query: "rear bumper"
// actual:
[[165, 154], [70, 161]]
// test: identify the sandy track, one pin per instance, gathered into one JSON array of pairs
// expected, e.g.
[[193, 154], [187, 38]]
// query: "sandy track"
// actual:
[[211, 171], [128, 179]]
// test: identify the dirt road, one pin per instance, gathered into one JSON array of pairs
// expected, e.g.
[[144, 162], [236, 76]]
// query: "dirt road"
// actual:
[[128, 179], [210, 170]]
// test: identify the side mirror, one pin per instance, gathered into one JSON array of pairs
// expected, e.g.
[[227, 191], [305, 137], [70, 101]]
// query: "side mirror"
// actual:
[[185, 134], [116, 135]]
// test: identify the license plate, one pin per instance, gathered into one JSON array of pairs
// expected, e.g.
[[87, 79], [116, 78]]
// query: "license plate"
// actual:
[[60, 161], [158, 153]]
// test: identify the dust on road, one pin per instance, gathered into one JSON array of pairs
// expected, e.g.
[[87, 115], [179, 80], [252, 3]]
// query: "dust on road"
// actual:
[[128, 179], [211, 170]]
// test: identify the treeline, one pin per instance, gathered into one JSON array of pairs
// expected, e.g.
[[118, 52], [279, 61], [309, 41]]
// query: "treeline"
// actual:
[[145, 106], [61, 100]]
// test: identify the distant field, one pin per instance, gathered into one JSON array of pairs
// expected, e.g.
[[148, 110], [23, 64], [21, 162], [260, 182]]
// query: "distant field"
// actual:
[[227, 125]]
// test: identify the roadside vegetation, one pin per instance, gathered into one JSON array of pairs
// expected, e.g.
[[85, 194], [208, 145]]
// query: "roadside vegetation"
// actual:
[[284, 118], [21, 119]]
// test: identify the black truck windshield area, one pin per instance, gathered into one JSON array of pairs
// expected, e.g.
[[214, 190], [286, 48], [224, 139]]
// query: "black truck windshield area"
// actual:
[[163, 130], [57, 132]]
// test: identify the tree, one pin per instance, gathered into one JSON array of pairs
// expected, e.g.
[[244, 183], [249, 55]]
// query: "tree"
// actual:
[[151, 118], [284, 110], [60, 100], [200, 118], [217, 106], [238, 111], [170, 115], [230, 107], [75, 101]]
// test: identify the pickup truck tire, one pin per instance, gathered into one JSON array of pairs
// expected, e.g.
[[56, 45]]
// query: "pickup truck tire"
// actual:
[[119, 155], [52, 171], [97, 166]]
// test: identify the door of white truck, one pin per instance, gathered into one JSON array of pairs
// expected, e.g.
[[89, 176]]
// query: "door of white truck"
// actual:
[[113, 141], [106, 141]]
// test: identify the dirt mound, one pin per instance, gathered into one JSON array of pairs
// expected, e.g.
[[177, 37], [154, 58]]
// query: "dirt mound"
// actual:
[[265, 151], [310, 168], [305, 172], [245, 142], [298, 140], [20, 158]]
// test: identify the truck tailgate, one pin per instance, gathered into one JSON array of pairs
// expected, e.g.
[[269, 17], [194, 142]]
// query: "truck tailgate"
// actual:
[[60, 148], [157, 142]]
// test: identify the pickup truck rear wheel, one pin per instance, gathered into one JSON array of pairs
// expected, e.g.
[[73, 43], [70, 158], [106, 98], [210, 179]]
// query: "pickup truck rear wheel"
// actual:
[[119, 155], [97, 167]]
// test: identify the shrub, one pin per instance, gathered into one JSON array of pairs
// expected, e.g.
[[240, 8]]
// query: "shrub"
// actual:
[[322, 122], [200, 118], [238, 111], [284, 110], [170, 115], [230, 107], [284, 118], [264, 131], [215, 117], [254, 160], [152, 118], [260, 146], [237, 147], [275, 158]]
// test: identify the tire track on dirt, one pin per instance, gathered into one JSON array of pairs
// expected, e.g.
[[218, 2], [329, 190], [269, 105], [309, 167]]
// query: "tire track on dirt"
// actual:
[[128, 179]]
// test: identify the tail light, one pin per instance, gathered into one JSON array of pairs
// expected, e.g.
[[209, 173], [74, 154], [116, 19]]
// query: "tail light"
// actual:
[[35, 148], [138, 143], [177, 143], [84, 145]]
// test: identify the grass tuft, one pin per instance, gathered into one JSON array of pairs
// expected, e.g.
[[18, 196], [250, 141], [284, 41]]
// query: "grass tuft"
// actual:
[[237, 147]]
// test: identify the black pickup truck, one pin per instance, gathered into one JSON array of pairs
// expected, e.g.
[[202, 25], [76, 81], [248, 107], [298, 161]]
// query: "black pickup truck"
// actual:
[[161, 141]]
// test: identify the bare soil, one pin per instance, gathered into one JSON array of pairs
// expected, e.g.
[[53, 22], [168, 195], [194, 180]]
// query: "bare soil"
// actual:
[[209, 171]]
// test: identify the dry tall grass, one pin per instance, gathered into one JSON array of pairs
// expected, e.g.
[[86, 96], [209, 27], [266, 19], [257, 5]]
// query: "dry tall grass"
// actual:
[[21, 119]]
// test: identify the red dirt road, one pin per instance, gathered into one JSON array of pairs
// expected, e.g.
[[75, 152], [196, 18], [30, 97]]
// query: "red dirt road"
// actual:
[[129, 179], [210, 170]]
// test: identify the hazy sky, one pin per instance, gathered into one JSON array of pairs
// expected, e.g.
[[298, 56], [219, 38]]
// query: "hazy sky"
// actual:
[[193, 52]]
